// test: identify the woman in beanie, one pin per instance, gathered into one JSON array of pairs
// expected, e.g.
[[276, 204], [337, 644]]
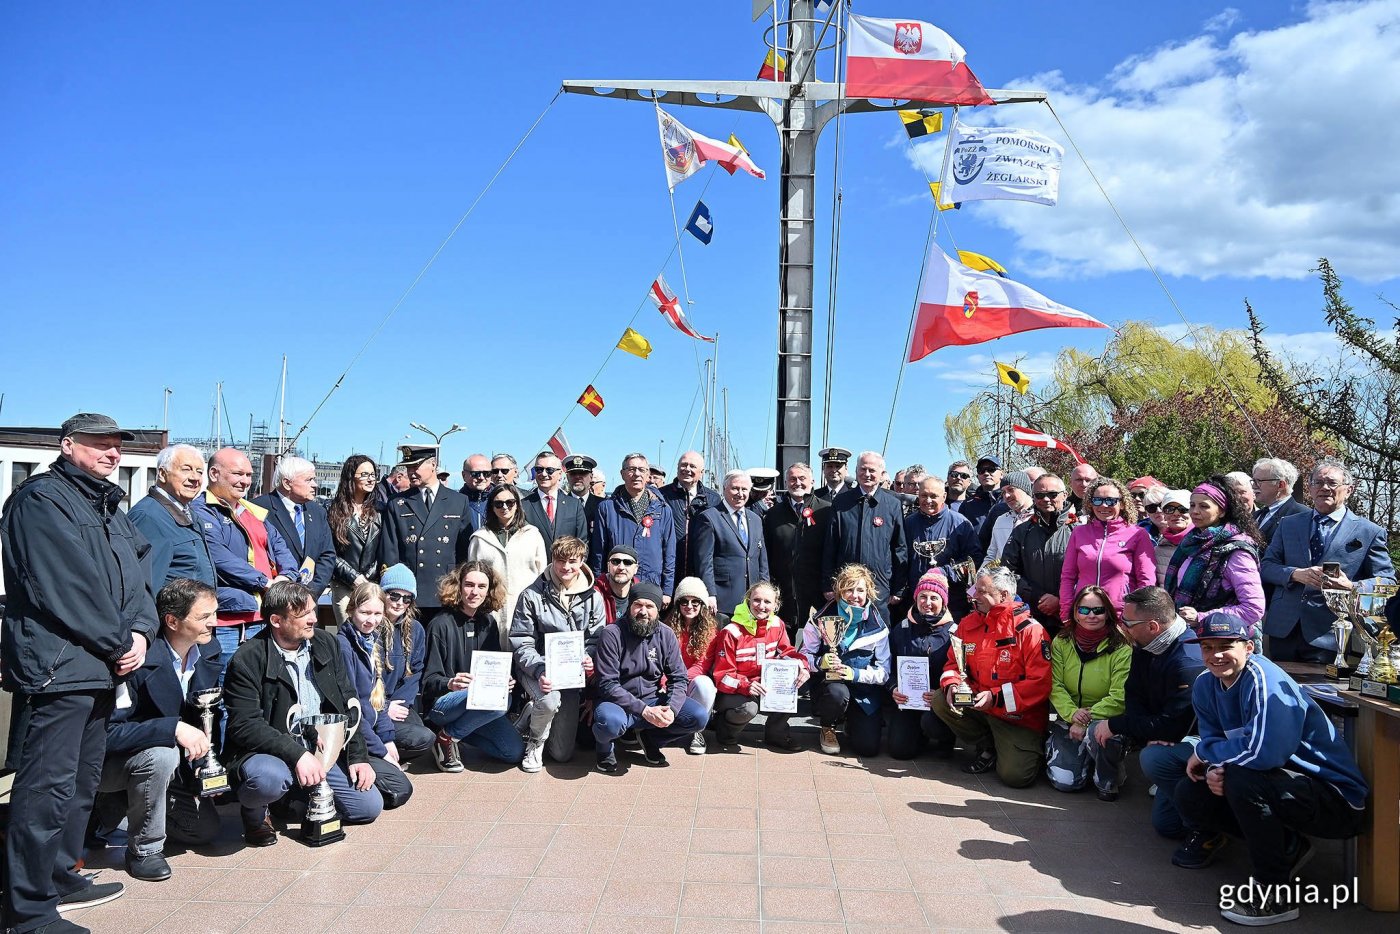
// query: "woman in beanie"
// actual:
[[1089, 662], [405, 644], [695, 626], [856, 668], [1216, 566], [755, 634], [925, 633]]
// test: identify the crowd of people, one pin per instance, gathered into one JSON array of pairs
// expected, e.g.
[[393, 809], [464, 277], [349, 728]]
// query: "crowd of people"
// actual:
[[1066, 626]]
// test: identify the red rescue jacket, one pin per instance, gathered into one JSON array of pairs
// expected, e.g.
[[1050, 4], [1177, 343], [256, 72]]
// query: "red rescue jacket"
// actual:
[[739, 654], [1008, 654]]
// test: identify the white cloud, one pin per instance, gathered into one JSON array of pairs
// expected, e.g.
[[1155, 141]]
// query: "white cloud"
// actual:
[[1223, 21], [1249, 155]]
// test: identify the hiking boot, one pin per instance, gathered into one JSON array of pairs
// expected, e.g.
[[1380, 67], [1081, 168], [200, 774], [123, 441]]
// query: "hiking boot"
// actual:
[[534, 756], [697, 745], [1199, 850], [445, 753], [829, 743]]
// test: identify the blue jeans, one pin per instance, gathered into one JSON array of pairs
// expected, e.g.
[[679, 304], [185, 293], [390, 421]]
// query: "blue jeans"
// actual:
[[231, 637], [1165, 766], [263, 779], [487, 730], [610, 721]]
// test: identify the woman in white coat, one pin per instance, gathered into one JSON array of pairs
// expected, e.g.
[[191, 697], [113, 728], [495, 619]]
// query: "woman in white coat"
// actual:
[[513, 547]]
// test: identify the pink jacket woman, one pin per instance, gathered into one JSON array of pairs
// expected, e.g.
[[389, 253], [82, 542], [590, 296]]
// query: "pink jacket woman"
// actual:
[[1110, 550]]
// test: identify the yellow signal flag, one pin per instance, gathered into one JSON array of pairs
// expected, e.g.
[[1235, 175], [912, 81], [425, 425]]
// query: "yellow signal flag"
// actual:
[[635, 344], [1013, 377], [934, 187], [980, 262], [919, 123], [734, 141]]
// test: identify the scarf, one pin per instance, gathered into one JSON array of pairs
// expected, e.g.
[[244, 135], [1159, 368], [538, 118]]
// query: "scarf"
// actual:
[[1196, 544], [1166, 637], [932, 622], [854, 616], [1176, 537], [1088, 639]]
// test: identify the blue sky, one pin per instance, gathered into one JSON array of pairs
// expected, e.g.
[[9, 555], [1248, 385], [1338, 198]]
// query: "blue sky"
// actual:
[[191, 191]]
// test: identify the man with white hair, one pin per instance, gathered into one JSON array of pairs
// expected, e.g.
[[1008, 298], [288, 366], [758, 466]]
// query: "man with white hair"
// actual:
[[727, 545], [302, 522], [1273, 479], [164, 517], [867, 527]]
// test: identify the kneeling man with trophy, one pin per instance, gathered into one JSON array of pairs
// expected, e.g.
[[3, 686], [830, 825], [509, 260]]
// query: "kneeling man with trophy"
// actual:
[[996, 685], [291, 713]]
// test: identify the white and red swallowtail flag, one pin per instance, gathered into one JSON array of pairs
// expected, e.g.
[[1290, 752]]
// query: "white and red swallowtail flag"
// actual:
[[1039, 439], [670, 307]]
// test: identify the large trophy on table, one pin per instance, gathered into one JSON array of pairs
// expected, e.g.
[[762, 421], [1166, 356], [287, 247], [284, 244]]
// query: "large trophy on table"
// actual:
[[210, 775], [1376, 674], [1344, 604], [325, 735]]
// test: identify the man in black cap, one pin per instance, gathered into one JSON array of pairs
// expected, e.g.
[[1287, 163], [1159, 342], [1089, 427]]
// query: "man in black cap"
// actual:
[[984, 506], [614, 584], [834, 473], [579, 469], [426, 527], [79, 615]]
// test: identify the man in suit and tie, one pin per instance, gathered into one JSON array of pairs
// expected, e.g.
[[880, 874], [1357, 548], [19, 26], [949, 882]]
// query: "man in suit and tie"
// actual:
[[301, 521], [548, 508], [1273, 479], [427, 527], [867, 527], [795, 532], [727, 544], [1297, 622]]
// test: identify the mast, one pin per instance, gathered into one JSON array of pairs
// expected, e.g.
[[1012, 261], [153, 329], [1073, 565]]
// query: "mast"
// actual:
[[799, 111], [218, 415], [282, 411]]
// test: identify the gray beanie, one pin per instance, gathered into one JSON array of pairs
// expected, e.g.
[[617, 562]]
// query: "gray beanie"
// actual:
[[1020, 480]]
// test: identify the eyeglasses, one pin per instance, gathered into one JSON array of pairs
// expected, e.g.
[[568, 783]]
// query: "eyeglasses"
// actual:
[[480, 474], [1258, 480], [365, 475], [398, 596], [1091, 610], [1106, 500], [502, 471], [1139, 494], [958, 475], [1153, 507], [622, 562], [1130, 623], [636, 469], [1174, 510], [1326, 484], [1048, 494], [503, 504], [547, 471]]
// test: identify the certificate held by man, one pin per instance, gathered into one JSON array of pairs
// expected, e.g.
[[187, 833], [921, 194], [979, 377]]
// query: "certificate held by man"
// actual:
[[490, 684], [563, 660], [913, 681], [780, 682]]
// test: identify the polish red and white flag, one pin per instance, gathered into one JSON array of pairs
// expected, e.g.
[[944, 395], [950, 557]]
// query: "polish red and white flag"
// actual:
[[1039, 439], [891, 58], [558, 443], [670, 307]]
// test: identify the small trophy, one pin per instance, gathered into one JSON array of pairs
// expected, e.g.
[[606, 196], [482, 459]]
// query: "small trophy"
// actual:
[[962, 691], [832, 630], [1344, 604], [931, 549], [325, 735], [210, 774]]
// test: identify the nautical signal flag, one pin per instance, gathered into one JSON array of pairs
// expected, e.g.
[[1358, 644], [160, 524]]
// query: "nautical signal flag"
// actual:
[[686, 151], [958, 305], [591, 401], [774, 67], [919, 123], [981, 263], [700, 226], [908, 59], [1013, 377], [635, 344], [935, 187], [670, 308], [733, 141]]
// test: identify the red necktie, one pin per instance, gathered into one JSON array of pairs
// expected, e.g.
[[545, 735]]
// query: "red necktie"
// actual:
[[549, 507]]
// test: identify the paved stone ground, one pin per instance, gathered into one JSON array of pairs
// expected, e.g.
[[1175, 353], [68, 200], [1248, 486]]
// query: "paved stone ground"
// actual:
[[750, 841]]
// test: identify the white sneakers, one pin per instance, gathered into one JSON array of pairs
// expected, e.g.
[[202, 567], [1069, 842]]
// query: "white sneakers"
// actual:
[[534, 756]]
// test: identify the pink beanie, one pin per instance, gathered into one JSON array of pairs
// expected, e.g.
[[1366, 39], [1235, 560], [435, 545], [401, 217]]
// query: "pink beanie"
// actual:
[[934, 580]]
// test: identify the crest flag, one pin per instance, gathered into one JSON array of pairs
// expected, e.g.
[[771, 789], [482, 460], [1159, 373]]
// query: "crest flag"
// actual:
[[686, 152], [1003, 163], [908, 59], [959, 305]]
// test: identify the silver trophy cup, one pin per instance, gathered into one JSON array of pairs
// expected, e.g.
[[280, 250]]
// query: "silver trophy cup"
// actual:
[[325, 736], [1344, 604], [210, 775]]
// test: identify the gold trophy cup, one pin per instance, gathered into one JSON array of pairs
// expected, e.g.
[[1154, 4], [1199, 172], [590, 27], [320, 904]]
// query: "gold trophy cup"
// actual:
[[325, 735], [962, 691], [832, 630]]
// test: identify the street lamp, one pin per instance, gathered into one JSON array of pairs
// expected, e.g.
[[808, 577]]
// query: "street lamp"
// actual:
[[435, 436]]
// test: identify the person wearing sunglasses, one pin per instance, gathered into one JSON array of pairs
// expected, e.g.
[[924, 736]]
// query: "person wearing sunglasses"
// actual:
[[1170, 512], [548, 507], [1035, 551], [1110, 550], [957, 482], [512, 546], [696, 626], [476, 486], [614, 585], [504, 469], [1216, 566], [1089, 663]]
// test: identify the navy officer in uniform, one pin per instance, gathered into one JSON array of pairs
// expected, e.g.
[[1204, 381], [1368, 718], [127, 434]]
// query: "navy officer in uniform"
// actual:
[[427, 526], [579, 469], [834, 472]]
